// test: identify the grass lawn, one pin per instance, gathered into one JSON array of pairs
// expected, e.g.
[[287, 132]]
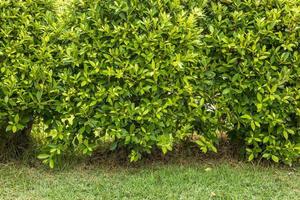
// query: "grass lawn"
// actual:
[[212, 180]]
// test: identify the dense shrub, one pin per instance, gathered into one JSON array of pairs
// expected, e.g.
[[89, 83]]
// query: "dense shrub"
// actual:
[[25, 77], [131, 76], [253, 51], [141, 75]]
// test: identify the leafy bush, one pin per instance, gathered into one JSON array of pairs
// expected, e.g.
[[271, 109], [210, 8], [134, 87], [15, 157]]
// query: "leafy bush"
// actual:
[[25, 75], [130, 75], [143, 74], [253, 50]]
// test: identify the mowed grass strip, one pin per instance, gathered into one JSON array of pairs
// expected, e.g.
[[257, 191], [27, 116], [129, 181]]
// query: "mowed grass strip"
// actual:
[[157, 181]]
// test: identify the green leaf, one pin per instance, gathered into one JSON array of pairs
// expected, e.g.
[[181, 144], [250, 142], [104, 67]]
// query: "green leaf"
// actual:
[[17, 118], [14, 129], [226, 91], [253, 125], [43, 156], [132, 128], [250, 158], [266, 155], [51, 163], [202, 102], [246, 117], [259, 97], [164, 149], [259, 107], [83, 83], [285, 135], [275, 158], [257, 124], [266, 139]]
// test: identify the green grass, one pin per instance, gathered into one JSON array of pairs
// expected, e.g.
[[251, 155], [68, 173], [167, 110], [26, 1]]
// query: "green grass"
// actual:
[[218, 180]]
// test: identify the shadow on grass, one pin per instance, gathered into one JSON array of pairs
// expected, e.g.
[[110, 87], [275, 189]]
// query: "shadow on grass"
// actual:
[[182, 155]]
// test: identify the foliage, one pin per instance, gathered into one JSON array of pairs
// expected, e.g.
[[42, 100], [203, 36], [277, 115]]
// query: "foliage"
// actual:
[[25, 65], [149, 74], [130, 76], [253, 50]]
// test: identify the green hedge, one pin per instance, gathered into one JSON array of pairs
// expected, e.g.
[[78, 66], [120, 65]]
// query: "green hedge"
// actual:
[[253, 51], [25, 67], [142, 75], [131, 77]]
